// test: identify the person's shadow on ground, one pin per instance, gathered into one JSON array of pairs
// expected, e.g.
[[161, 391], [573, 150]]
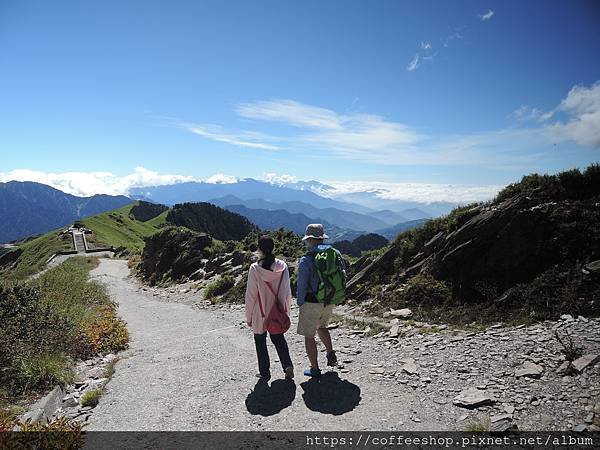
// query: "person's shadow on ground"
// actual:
[[268, 400], [328, 394]]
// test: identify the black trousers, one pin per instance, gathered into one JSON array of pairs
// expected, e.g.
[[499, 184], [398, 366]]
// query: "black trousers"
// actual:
[[260, 341]]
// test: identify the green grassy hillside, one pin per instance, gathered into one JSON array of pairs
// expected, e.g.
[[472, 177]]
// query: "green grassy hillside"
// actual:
[[118, 228], [115, 228], [35, 253]]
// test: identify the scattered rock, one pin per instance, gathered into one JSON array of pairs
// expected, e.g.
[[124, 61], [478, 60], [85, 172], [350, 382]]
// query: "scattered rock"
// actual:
[[563, 368], [502, 424], [404, 313], [580, 364], [69, 402], [509, 409], [580, 428], [529, 369], [472, 398], [377, 371], [409, 366], [395, 331]]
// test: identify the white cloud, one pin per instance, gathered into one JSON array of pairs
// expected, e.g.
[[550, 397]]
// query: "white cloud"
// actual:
[[581, 111], [243, 139], [487, 16], [280, 180], [582, 106], [220, 178], [89, 183], [414, 63], [418, 192]]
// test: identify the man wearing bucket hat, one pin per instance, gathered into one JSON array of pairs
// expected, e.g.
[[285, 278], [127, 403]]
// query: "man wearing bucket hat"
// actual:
[[315, 312]]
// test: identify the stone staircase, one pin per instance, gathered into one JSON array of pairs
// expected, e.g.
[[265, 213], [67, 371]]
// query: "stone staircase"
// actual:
[[79, 242]]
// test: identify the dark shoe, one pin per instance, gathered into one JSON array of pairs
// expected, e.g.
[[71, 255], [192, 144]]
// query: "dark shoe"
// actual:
[[289, 373], [263, 377], [310, 372], [332, 359]]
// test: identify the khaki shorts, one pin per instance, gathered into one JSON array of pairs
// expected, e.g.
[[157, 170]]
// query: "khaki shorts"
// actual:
[[312, 317]]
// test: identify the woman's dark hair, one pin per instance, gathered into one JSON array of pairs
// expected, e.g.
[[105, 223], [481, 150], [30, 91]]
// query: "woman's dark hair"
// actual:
[[266, 246]]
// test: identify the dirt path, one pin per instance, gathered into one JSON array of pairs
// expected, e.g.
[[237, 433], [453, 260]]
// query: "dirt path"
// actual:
[[192, 368]]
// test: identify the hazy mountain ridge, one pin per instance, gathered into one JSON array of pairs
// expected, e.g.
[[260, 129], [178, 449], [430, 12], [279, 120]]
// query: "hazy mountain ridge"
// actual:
[[29, 208], [296, 222]]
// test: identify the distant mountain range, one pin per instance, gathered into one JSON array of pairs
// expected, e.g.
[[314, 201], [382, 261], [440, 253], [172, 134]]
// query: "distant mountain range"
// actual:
[[245, 189], [33, 208], [296, 222], [29, 208]]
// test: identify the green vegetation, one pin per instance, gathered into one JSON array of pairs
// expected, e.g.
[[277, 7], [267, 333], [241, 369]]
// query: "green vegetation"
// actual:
[[219, 287], [119, 228], [208, 218], [571, 184], [91, 398], [173, 253], [52, 320], [237, 294], [479, 426], [411, 241], [36, 252], [45, 371], [287, 243], [145, 211]]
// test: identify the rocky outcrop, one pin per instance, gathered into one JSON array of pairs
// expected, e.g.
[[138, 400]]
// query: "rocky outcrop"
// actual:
[[172, 254], [513, 254], [9, 257]]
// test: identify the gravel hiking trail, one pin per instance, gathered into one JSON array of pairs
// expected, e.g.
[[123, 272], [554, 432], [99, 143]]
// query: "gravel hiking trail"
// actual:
[[190, 368]]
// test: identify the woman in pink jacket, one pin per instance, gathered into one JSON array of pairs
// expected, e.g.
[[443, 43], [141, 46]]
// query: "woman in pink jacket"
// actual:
[[267, 277]]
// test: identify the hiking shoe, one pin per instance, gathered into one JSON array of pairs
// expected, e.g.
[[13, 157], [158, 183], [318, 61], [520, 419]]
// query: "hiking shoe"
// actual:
[[311, 372], [332, 359], [289, 373]]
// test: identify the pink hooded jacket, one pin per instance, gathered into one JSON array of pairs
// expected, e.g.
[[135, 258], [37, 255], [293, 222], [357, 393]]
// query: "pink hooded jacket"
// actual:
[[257, 279]]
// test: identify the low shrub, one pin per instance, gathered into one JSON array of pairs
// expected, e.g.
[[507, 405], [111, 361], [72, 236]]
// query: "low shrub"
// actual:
[[45, 371], [106, 331], [48, 322], [573, 184], [421, 290], [236, 294], [91, 398], [219, 287]]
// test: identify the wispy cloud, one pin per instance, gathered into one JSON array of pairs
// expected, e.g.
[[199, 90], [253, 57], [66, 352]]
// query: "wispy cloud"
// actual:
[[525, 113], [414, 63], [353, 136], [323, 133], [240, 139], [456, 35], [291, 112], [487, 16], [427, 53]]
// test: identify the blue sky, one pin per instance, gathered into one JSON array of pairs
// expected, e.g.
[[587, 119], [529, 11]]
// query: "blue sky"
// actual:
[[364, 92]]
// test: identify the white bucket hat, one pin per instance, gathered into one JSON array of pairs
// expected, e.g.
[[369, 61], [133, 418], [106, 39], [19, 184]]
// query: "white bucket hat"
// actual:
[[315, 231]]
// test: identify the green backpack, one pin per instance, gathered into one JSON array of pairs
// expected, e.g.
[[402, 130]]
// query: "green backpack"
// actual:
[[332, 278]]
